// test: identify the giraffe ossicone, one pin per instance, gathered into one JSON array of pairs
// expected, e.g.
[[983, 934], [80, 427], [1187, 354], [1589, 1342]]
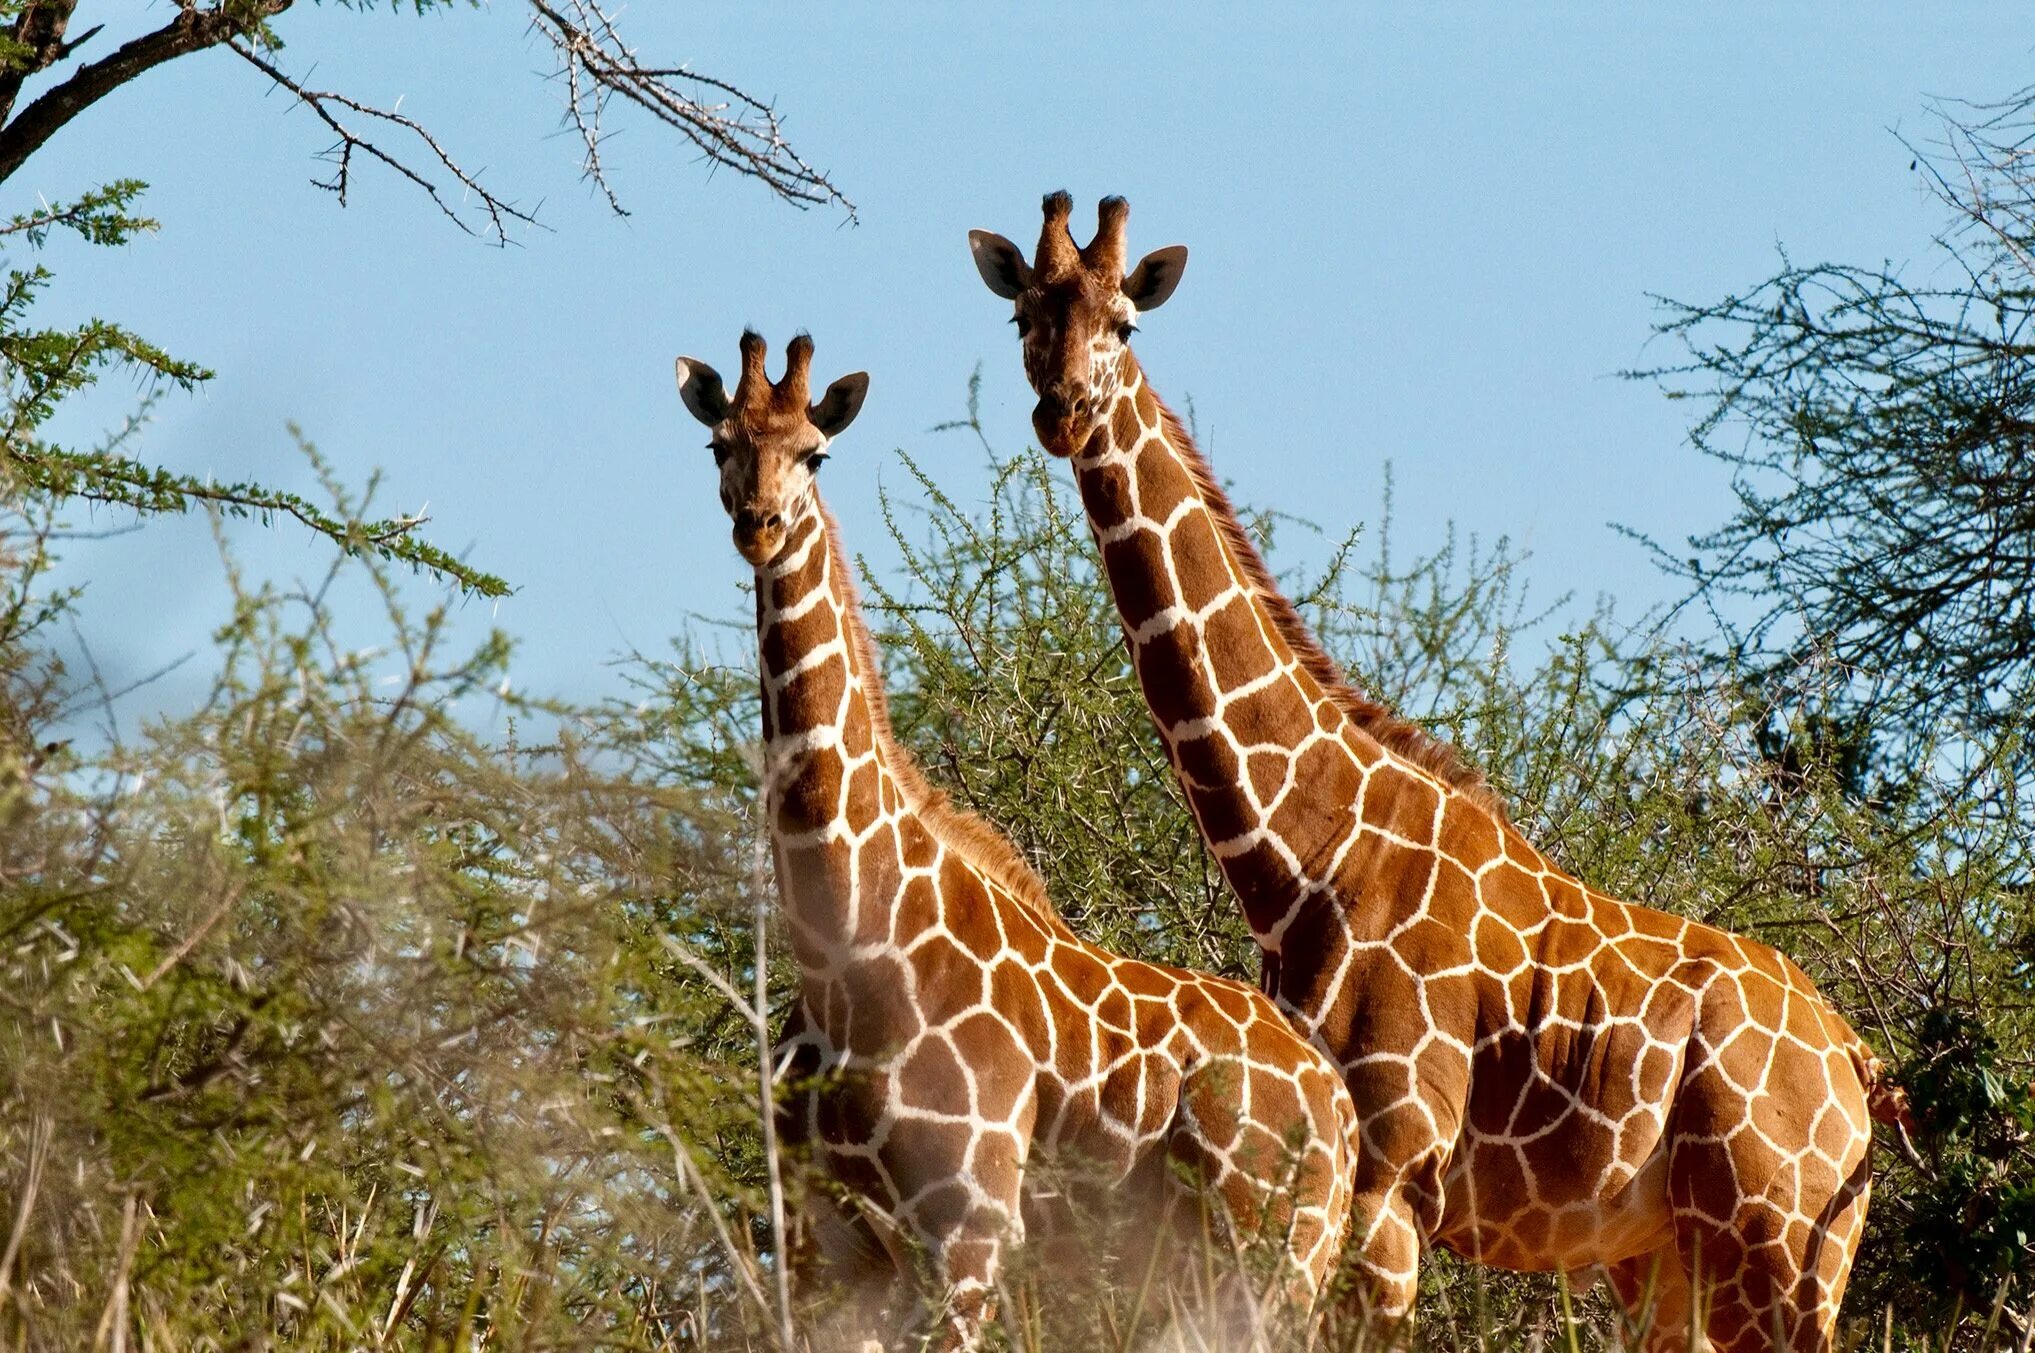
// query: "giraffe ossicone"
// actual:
[[1548, 1078], [950, 1024]]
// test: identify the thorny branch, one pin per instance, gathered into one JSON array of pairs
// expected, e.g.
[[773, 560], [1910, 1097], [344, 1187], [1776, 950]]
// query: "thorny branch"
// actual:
[[322, 103], [1983, 170], [38, 33], [732, 128]]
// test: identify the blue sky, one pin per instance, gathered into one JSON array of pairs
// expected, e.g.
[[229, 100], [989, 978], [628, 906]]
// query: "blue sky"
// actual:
[[1417, 239]]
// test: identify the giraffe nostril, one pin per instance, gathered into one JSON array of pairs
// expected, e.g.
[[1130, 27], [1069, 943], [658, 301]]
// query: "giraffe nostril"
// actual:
[[773, 521], [1081, 403]]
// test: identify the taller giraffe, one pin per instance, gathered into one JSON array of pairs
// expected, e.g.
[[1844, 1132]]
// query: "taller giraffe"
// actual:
[[1548, 1078], [949, 1022]]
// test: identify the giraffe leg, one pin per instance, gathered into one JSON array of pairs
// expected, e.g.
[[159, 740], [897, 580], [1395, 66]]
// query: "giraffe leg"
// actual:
[[1770, 1279], [966, 1264], [963, 1188], [1383, 1257], [842, 1273], [1837, 1226], [1398, 1188], [1278, 1179], [842, 1276], [1769, 1197], [1654, 1290]]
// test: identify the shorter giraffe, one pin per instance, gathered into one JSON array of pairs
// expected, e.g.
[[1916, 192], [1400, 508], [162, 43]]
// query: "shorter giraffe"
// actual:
[[949, 1020]]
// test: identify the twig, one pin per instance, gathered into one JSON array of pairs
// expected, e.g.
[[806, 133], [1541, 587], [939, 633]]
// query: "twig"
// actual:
[[321, 103], [113, 1320], [191, 941], [38, 1158]]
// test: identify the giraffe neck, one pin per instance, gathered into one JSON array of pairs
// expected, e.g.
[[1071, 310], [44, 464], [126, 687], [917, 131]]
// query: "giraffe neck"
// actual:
[[826, 747], [1246, 702], [847, 803]]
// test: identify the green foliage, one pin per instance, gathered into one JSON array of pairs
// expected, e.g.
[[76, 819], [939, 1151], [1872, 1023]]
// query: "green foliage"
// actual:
[[1975, 1223], [100, 216], [323, 1018], [41, 367]]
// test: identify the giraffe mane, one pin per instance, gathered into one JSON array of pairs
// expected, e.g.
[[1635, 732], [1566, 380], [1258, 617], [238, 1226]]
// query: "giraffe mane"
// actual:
[[967, 833], [1399, 736]]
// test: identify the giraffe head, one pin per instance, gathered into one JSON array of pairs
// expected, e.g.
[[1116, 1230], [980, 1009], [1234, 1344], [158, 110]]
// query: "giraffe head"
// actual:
[[767, 440], [1076, 310]]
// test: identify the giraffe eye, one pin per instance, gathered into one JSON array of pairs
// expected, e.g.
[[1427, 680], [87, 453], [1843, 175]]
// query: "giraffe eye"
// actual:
[[1124, 331], [720, 453], [813, 460], [1024, 326]]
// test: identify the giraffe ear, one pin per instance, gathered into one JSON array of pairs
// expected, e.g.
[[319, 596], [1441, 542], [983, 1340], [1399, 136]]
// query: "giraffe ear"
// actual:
[[1153, 280], [1002, 266], [699, 385], [838, 407]]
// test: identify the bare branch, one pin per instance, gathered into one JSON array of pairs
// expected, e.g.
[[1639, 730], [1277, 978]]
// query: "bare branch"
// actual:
[[322, 103], [192, 30], [732, 128], [1983, 170]]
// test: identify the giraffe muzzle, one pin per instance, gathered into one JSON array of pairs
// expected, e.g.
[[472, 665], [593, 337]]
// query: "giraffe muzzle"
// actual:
[[1061, 424], [758, 535]]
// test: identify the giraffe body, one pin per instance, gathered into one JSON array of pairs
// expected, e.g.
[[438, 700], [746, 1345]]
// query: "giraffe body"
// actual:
[[950, 1024], [1547, 1077]]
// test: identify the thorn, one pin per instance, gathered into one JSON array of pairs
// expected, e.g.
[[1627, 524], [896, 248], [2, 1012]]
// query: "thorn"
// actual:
[[67, 48]]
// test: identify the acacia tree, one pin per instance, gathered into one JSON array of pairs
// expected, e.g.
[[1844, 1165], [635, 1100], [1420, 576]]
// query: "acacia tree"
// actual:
[[62, 47], [1880, 431]]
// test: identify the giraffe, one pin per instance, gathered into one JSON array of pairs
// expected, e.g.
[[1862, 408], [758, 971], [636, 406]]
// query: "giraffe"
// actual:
[[949, 1021], [1547, 1077]]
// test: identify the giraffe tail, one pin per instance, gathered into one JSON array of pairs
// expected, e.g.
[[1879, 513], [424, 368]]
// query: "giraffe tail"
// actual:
[[1885, 1101]]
